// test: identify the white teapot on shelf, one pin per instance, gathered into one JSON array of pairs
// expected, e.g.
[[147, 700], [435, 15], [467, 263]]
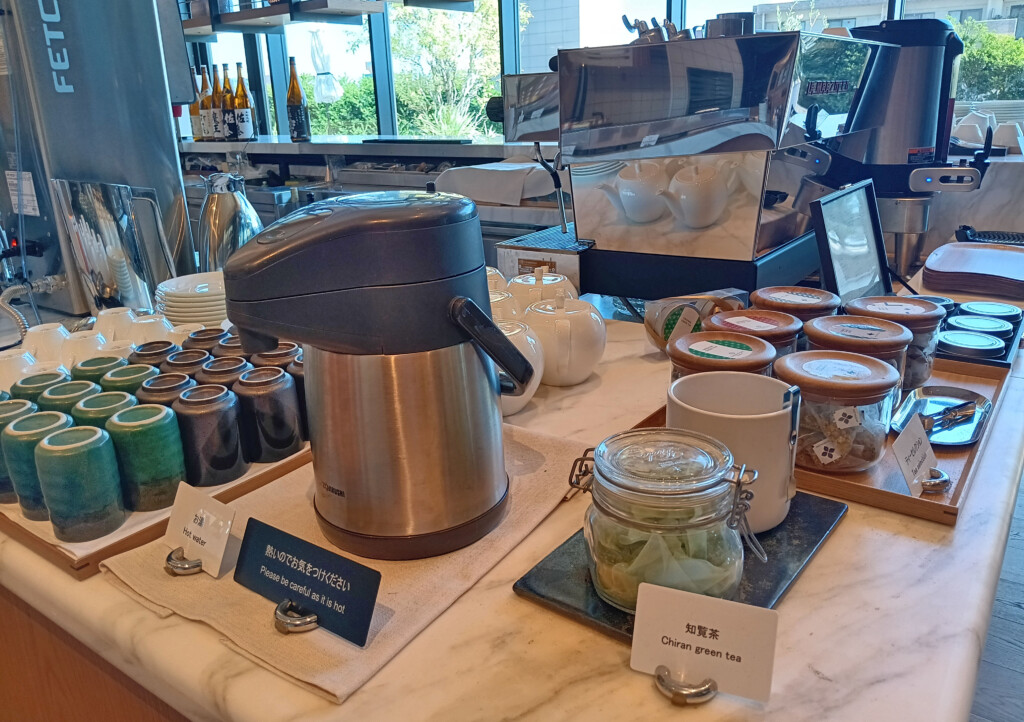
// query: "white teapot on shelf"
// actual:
[[572, 335], [634, 194], [539, 286]]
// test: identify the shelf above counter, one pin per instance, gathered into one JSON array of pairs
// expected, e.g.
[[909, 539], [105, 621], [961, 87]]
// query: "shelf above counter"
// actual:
[[369, 145]]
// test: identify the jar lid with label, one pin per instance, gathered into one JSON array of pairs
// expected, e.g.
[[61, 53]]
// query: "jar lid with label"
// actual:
[[804, 303], [971, 344], [981, 324], [858, 334], [1005, 311], [850, 377], [916, 314], [775, 327], [721, 351]]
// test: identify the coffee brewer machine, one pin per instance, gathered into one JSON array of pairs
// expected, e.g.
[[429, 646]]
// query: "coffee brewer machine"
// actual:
[[907, 108], [385, 291]]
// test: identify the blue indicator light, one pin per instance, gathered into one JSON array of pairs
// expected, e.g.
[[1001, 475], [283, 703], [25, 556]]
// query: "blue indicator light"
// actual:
[[927, 180]]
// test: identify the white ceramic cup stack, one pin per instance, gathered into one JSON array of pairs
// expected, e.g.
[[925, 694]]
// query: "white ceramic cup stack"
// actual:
[[118, 348], [45, 342], [180, 333], [115, 323], [753, 416], [15, 363], [196, 298], [82, 345], [150, 328]]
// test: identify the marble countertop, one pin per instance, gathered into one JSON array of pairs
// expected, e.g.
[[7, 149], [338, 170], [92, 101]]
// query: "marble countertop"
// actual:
[[887, 622]]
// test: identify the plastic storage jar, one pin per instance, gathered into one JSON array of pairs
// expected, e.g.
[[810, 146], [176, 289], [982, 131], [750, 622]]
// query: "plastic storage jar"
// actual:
[[777, 328], [874, 337], [804, 303], [920, 316], [846, 410], [693, 353], [667, 509]]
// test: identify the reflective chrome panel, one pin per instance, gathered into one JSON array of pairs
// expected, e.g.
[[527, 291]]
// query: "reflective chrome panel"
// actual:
[[531, 107]]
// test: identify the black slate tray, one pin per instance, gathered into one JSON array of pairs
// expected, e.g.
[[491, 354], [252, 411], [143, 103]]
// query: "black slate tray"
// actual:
[[561, 581]]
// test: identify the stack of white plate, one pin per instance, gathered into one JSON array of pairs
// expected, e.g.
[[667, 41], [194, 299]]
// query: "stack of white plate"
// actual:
[[196, 298]]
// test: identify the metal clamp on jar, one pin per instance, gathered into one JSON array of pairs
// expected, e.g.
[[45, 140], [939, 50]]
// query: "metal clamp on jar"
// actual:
[[669, 508], [388, 294]]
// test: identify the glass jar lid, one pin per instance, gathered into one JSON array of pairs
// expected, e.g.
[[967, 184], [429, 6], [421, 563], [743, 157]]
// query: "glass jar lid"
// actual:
[[850, 377], [772, 326], [991, 308], [970, 343], [661, 462], [860, 334], [795, 299], [721, 351], [915, 313]]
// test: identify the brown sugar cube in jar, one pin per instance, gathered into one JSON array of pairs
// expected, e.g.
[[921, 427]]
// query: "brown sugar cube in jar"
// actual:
[[922, 317], [777, 328], [720, 351], [847, 403]]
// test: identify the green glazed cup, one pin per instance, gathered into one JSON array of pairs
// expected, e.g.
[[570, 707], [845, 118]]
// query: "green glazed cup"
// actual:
[[150, 455], [95, 410], [63, 397], [31, 386], [93, 369], [128, 378], [19, 441], [9, 411], [77, 470], [4, 395]]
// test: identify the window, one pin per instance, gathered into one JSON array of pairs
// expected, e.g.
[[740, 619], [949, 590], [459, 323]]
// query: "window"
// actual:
[[961, 15], [842, 22], [546, 26], [333, 61], [772, 16], [446, 65]]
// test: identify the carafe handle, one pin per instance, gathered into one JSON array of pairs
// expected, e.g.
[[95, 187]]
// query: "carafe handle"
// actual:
[[468, 316]]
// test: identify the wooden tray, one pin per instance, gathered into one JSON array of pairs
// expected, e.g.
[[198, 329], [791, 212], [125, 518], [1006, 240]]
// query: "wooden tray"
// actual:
[[82, 566], [882, 485]]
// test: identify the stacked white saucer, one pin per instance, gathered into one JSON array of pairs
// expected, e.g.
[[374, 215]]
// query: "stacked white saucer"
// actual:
[[196, 298]]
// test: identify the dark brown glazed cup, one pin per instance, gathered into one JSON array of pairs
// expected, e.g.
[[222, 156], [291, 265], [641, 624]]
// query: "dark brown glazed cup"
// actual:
[[284, 354], [185, 362], [269, 415], [163, 389], [210, 437], [298, 373], [205, 339], [224, 370], [153, 353]]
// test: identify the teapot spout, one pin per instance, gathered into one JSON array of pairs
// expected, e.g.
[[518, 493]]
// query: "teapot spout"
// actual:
[[613, 197]]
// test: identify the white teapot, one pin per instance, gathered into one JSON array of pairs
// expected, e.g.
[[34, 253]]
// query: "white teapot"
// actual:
[[504, 306], [573, 336], [635, 193], [539, 286], [524, 339], [495, 281], [698, 194]]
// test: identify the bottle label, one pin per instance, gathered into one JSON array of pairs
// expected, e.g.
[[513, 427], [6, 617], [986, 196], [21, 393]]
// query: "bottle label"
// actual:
[[298, 122], [197, 125], [206, 123], [217, 122], [243, 121], [230, 125]]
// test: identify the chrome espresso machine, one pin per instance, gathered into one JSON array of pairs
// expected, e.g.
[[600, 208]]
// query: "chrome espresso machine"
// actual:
[[693, 162]]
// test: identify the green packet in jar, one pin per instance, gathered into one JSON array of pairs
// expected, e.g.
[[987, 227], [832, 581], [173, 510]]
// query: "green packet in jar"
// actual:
[[668, 318]]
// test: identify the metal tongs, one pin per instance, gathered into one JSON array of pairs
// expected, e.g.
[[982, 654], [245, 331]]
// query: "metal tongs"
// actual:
[[949, 417]]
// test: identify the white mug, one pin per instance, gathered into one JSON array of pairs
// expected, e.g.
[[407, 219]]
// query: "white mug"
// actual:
[[15, 363], [45, 341], [504, 306], [572, 335], [81, 345], [540, 286], [118, 348], [115, 323], [524, 339], [757, 418]]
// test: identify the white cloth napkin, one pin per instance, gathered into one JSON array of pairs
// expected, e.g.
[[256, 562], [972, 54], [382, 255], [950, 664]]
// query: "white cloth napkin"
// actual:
[[506, 183], [412, 593]]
